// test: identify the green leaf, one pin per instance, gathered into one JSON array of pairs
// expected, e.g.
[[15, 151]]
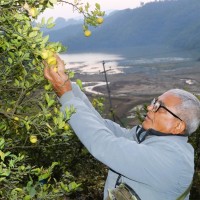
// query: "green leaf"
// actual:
[[61, 124], [50, 21], [2, 142], [11, 54], [49, 5], [73, 186], [5, 172], [43, 21], [53, 1], [33, 34], [32, 192], [27, 84], [44, 176], [87, 7], [98, 6], [11, 163], [51, 25], [55, 120], [51, 102], [54, 164], [2, 155], [19, 30], [16, 83], [64, 187], [2, 178], [35, 28], [59, 49], [47, 98], [71, 74], [79, 83]]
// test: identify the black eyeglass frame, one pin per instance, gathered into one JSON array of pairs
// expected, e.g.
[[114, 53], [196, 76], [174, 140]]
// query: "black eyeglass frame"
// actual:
[[155, 100]]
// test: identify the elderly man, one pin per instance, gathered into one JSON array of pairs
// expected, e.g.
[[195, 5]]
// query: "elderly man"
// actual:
[[154, 159]]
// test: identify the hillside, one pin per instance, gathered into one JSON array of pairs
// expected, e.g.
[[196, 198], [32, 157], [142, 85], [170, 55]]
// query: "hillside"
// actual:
[[166, 23]]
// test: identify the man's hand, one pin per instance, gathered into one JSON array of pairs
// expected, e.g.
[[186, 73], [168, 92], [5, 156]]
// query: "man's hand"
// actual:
[[58, 79]]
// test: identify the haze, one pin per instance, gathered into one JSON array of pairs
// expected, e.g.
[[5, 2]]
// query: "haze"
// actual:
[[66, 11]]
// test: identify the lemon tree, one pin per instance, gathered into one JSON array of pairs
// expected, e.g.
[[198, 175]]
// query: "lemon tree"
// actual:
[[36, 140]]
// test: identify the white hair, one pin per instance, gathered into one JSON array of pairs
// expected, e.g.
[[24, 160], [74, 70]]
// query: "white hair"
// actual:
[[188, 110]]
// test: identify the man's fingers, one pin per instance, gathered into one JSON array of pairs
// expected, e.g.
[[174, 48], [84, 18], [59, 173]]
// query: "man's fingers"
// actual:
[[51, 74], [60, 64], [47, 74], [58, 58], [61, 69], [45, 63]]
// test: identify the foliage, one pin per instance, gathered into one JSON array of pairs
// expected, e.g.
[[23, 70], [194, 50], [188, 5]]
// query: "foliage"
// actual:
[[36, 140], [98, 104], [195, 141]]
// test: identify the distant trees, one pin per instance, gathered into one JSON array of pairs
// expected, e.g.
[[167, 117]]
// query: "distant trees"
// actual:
[[172, 24]]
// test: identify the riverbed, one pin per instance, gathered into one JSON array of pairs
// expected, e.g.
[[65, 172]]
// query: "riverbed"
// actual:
[[133, 82]]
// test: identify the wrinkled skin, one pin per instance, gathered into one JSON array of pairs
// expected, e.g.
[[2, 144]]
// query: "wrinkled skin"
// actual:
[[59, 79]]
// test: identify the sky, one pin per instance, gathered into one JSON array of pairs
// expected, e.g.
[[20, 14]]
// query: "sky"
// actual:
[[66, 11]]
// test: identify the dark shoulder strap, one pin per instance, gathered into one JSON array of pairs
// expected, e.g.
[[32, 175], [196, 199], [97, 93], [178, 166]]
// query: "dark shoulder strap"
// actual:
[[132, 191], [118, 182]]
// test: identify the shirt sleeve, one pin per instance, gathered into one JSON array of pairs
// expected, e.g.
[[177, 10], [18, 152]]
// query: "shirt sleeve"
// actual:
[[78, 93], [114, 127], [121, 131]]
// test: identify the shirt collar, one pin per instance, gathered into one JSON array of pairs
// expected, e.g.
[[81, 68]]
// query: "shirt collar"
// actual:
[[141, 133]]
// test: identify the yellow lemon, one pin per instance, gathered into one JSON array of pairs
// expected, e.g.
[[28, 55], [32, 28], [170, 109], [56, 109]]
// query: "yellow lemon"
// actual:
[[50, 52], [8, 110], [33, 139], [44, 54], [18, 189], [51, 60], [27, 197], [87, 33], [16, 118], [33, 12], [22, 167], [66, 127], [100, 20], [55, 69]]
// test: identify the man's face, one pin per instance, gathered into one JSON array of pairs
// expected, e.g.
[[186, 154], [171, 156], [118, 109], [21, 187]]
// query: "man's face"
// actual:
[[162, 120]]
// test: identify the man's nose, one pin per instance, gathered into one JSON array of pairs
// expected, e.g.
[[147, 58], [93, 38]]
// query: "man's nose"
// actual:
[[150, 107]]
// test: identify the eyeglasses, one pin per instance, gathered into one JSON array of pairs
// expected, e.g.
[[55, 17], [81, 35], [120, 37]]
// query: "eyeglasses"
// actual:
[[158, 104]]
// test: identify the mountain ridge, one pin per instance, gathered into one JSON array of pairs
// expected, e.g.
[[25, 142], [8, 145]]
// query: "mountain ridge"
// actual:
[[171, 24]]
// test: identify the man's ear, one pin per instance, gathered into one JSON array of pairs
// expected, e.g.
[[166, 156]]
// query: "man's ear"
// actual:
[[179, 127]]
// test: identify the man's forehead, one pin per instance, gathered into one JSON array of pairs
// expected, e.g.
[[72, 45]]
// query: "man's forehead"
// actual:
[[168, 98]]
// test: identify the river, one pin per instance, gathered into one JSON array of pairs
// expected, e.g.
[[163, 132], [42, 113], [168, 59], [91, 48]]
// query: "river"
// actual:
[[91, 63]]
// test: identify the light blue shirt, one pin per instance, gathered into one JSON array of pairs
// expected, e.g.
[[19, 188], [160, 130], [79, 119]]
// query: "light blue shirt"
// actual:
[[159, 168]]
